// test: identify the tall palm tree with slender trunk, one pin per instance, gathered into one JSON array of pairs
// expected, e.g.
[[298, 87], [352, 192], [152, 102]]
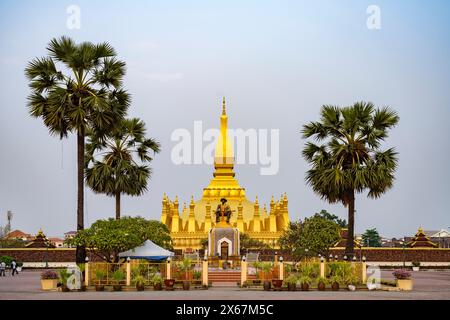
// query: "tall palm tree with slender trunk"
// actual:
[[76, 88], [349, 158], [117, 164]]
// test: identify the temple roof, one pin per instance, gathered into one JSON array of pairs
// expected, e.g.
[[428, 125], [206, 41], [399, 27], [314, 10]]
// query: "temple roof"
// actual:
[[421, 240]]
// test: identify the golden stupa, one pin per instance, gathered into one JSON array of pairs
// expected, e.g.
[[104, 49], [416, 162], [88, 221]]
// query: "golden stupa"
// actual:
[[191, 225]]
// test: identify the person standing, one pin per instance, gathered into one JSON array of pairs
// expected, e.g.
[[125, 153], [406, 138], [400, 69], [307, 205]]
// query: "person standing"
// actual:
[[2, 268], [14, 267]]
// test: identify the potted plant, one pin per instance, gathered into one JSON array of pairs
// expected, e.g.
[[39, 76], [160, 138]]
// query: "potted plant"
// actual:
[[291, 282], [186, 266], [322, 283], [63, 277], [197, 277], [118, 277], [277, 284], [305, 281], [403, 278], [139, 282], [49, 280], [169, 283], [99, 276], [416, 265], [157, 282], [266, 268], [335, 281]]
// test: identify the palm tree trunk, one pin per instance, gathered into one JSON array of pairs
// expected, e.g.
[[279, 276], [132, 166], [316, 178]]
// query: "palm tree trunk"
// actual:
[[81, 250], [349, 249], [118, 206]]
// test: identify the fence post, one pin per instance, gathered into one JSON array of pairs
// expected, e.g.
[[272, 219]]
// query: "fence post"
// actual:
[[322, 267], [168, 269], [86, 272], [205, 271], [128, 272], [281, 265], [364, 270], [243, 271]]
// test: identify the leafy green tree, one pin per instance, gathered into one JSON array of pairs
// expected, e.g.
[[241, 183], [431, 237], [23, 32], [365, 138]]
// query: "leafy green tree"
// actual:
[[118, 163], [371, 238], [107, 238], [247, 243], [325, 214], [75, 88], [290, 239], [315, 235], [12, 243], [349, 159]]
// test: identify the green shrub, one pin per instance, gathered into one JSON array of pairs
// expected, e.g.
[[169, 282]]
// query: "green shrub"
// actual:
[[157, 279], [99, 275], [118, 275], [291, 279], [6, 259]]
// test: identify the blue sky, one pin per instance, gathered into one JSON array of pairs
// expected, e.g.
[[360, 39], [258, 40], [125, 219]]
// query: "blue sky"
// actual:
[[276, 62]]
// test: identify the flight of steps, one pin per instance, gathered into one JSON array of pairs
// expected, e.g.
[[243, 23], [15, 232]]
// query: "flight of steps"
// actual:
[[226, 278]]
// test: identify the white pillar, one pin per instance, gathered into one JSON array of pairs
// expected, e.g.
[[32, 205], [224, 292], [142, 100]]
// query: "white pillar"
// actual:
[[205, 273], [128, 273], [168, 270], [322, 268], [364, 272], [86, 274], [243, 272]]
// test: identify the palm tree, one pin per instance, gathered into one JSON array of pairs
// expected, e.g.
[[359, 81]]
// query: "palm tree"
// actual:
[[76, 88], [349, 159], [110, 166]]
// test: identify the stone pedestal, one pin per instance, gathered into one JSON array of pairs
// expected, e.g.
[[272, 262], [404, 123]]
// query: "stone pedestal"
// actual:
[[223, 241]]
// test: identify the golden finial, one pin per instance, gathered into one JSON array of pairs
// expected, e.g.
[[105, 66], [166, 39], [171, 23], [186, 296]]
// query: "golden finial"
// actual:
[[256, 201], [192, 200], [223, 107], [176, 199]]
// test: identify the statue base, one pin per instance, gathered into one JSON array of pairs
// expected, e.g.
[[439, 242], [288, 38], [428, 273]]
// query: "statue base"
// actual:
[[223, 241]]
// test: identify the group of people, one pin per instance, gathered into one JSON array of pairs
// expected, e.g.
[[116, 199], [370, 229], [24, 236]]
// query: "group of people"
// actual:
[[13, 268]]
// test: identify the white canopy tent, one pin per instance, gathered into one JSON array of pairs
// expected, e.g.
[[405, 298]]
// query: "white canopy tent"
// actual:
[[148, 251]]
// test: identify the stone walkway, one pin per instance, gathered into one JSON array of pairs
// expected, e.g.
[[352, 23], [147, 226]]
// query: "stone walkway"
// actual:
[[427, 285]]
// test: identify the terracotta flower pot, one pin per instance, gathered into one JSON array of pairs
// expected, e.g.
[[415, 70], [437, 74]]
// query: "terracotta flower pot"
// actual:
[[335, 286], [169, 283], [305, 286], [99, 287], [157, 286], [291, 286], [186, 285], [277, 284], [267, 285], [117, 287], [64, 288], [140, 287], [321, 286]]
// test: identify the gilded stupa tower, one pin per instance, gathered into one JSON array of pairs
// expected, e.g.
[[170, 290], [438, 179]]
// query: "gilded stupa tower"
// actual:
[[191, 224]]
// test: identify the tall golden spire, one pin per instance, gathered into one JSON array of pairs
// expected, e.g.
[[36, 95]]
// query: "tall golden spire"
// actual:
[[224, 155], [223, 107]]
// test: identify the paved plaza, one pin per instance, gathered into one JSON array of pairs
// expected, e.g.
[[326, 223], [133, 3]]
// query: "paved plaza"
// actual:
[[427, 285]]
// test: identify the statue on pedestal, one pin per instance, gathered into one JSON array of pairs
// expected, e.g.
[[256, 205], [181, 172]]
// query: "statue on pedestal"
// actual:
[[223, 210]]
